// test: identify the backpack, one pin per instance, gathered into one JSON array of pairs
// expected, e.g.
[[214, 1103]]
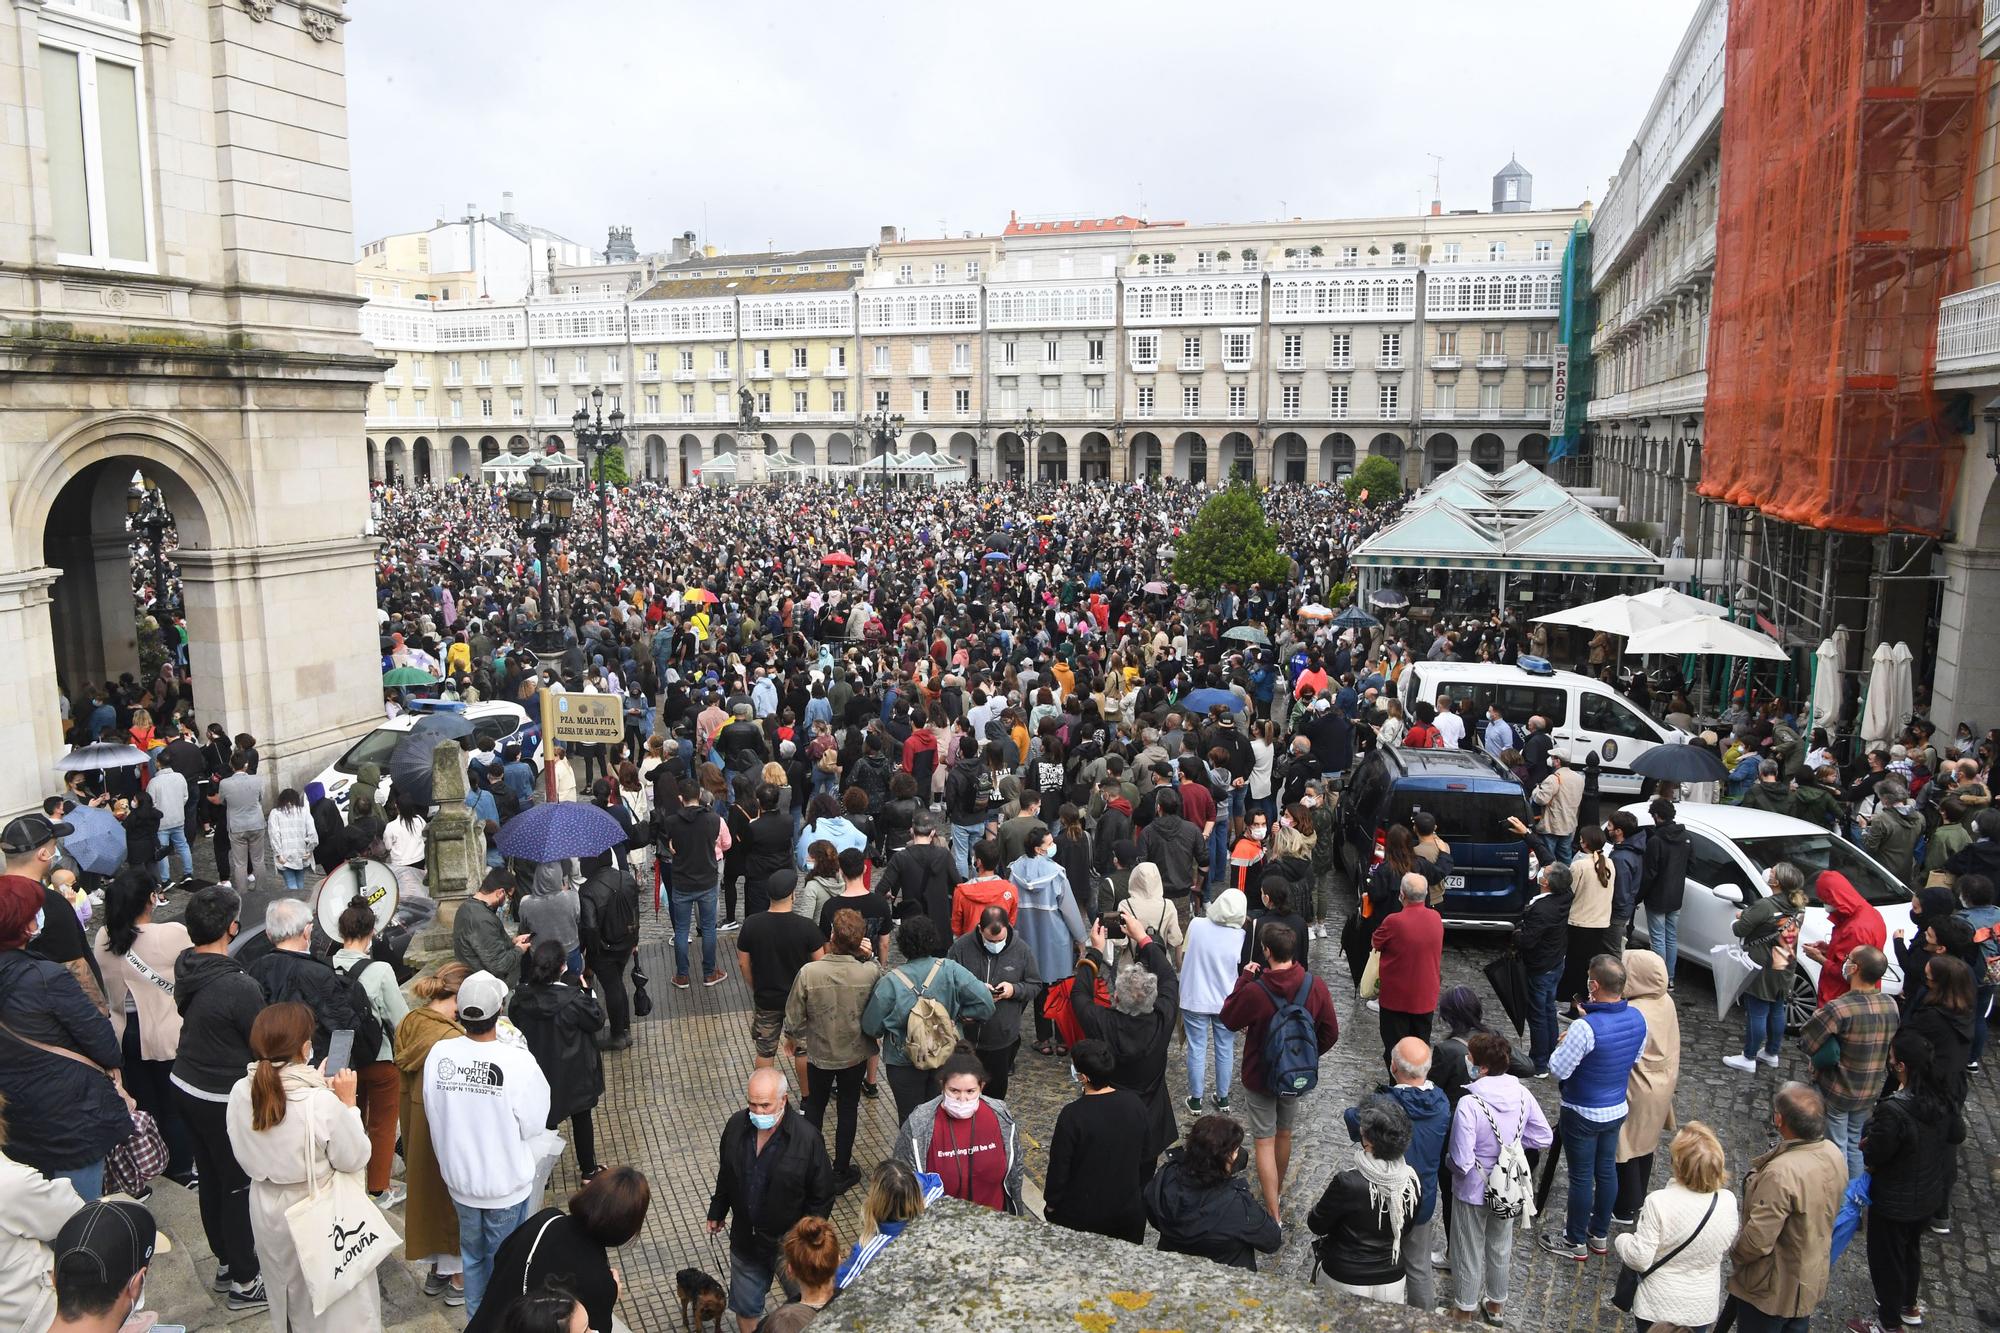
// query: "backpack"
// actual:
[[929, 1035], [346, 1005], [1510, 1185], [1291, 1045], [618, 918]]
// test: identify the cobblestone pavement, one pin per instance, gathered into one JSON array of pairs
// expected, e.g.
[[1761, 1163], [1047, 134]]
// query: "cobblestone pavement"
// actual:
[[669, 1095]]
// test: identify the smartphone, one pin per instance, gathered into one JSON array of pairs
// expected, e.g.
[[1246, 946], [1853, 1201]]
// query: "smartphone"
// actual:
[[1113, 923], [339, 1051]]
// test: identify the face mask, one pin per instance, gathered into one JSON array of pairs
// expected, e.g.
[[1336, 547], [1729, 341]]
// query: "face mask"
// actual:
[[1075, 1077], [763, 1121], [959, 1110], [994, 946], [38, 925], [1285, 821], [1311, 800]]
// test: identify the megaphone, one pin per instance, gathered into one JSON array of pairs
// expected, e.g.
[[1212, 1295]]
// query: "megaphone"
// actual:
[[369, 879]]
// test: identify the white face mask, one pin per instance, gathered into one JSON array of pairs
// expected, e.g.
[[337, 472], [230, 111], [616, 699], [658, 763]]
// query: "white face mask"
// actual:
[[993, 946], [961, 1110]]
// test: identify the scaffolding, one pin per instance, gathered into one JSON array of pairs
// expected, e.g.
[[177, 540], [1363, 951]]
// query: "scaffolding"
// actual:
[[1848, 137], [1571, 453]]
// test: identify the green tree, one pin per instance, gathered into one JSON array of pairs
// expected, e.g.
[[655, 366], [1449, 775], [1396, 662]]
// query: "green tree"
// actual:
[[614, 468], [1230, 542], [1380, 477]]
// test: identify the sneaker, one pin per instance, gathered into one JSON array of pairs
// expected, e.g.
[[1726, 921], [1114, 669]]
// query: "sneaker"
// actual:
[[249, 1295], [1193, 1105], [435, 1283], [870, 1089], [713, 979], [728, 926], [1222, 1105], [189, 1180], [1543, 1072], [681, 981], [455, 1293], [1600, 1244], [844, 1181], [1864, 1324], [1617, 1221], [1374, 1006], [220, 1284], [1558, 1244], [1441, 1259], [1913, 1315], [1492, 1317], [1770, 1060], [1940, 1226], [1743, 1063], [392, 1197], [1972, 1066]]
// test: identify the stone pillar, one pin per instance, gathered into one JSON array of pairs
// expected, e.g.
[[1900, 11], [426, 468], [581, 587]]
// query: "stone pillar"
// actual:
[[1121, 458], [1073, 457], [1967, 678], [31, 719], [454, 843], [1261, 463], [989, 458]]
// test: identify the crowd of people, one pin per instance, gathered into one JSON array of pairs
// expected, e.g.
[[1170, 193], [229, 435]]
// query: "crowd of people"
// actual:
[[966, 777]]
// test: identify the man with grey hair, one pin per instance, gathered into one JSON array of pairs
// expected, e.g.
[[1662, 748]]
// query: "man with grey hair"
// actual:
[[1138, 1025], [1778, 1264], [1411, 942], [1430, 1127], [1769, 792], [1890, 834], [291, 972]]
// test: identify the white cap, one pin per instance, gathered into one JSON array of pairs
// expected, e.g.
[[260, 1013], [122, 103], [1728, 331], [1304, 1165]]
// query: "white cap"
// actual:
[[480, 997]]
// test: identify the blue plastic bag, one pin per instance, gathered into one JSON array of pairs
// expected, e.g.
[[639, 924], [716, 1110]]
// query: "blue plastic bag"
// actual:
[[1848, 1220]]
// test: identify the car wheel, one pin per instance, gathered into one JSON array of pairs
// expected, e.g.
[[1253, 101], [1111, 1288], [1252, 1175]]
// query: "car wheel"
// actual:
[[1800, 1001]]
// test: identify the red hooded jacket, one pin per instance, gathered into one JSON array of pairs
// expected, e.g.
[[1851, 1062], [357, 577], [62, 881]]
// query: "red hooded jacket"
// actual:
[[1855, 923]]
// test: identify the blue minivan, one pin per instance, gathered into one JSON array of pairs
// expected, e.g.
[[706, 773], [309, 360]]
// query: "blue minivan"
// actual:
[[1471, 797]]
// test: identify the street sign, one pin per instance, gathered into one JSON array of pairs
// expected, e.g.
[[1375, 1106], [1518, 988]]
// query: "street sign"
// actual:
[[587, 719], [1559, 390]]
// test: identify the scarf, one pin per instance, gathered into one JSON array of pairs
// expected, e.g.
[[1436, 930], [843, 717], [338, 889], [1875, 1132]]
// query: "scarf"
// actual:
[[1393, 1190]]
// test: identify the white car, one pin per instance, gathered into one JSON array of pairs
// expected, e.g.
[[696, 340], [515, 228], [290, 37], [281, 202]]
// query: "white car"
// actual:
[[495, 718], [1730, 850]]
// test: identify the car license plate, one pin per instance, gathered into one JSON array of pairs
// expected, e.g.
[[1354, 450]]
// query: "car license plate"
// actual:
[[1454, 881]]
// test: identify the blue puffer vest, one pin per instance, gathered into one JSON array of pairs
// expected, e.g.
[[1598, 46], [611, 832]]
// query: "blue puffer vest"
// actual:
[[1619, 1031]]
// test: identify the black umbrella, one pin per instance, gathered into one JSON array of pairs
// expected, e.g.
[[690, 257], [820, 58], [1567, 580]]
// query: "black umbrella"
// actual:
[[1355, 618], [1509, 979], [1388, 599], [410, 767], [1680, 763], [445, 726]]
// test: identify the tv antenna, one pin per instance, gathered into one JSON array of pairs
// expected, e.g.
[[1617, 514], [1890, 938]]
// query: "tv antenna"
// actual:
[[1437, 177]]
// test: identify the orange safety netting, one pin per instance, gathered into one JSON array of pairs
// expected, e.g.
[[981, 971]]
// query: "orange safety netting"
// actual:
[[1848, 137]]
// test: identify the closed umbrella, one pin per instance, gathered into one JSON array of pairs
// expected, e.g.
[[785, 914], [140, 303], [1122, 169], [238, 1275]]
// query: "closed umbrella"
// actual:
[[97, 757], [1707, 636], [558, 831], [1509, 978], [1680, 763], [1853, 1208], [1903, 695], [1826, 685], [96, 841], [1878, 716], [1247, 634]]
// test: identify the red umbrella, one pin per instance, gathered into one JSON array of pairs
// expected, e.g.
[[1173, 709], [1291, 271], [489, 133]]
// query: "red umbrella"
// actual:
[[840, 558]]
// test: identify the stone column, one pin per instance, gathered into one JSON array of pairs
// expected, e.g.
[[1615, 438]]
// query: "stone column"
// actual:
[[454, 844], [1967, 677], [1261, 462], [1121, 457], [31, 720], [1073, 456], [989, 457]]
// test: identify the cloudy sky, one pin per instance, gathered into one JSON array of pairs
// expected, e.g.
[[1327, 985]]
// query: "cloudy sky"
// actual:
[[804, 124]]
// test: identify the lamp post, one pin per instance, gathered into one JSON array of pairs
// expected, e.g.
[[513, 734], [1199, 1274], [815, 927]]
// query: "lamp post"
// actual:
[[600, 434], [147, 510], [1029, 431], [541, 515], [884, 430]]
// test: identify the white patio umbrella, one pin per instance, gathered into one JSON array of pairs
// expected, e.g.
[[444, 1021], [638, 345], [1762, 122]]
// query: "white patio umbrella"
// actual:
[[1633, 613], [1826, 685], [1904, 694], [1878, 715], [1708, 636]]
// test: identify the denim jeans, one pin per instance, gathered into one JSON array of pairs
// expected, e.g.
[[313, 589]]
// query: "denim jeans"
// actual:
[[1562, 846], [1749, 1319], [480, 1233], [1591, 1149], [174, 842], [1200, 1028], [88, 1181], [1218, 850], [1665, 927], [963, 836], [1843, 1131], [295, 880], [1542, 1015], [1763, 1026], [1979, 1008], [682, 907]]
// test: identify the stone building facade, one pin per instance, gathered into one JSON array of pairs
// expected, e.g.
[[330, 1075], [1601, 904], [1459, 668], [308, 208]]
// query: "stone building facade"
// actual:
[[176, 277]]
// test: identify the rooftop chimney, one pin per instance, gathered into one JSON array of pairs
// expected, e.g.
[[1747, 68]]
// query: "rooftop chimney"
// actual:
[[1437, 207], [507, 207], [471, 211], [888, 236]]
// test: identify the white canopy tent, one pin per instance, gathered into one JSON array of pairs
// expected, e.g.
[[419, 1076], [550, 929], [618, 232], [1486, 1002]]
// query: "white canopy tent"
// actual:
[[514, 467], [907, 471]]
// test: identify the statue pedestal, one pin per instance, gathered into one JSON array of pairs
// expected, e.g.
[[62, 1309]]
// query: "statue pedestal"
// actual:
[[454, 848]]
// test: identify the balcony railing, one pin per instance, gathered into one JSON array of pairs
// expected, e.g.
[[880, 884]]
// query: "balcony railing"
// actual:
[[650, 376], [1446, 362], [1145, 367], [1969, 321], [835, 372], [684, 374], [798, 373], [1388, 363], [1191, 367], [1337, 362], [1538, 361], [721, 373], [1491, 361]]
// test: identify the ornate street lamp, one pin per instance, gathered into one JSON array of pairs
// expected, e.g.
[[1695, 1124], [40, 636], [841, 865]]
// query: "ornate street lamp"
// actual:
[[884, 430], [598, 434], [542, 515], [147, 511], [1029, 430]]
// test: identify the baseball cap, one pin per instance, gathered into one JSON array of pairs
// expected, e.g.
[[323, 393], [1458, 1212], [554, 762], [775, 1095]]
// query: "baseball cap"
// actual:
[[29, 832], [782, 883], [106, 1242], [480, 997]]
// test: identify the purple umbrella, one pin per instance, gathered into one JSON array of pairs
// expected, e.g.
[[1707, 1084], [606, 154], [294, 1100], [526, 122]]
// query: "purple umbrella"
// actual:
[[558, 831]]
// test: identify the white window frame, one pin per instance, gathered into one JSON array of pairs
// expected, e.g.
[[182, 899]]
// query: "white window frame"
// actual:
[[1093, 352], [1389, 397], [961, 356], [839, 402], [1496, 252], [961, 402], [1340, 351], [1239, 401], [920, 358], [687, 404], [798, 358], [1143, 401], [1236, 345], [1191, 352], [799, 402], [1143, 349], [652, 404], [1450, 255], [92, 38], [1292, 352], [1544, 252], [881, 400], [1094, 397], [881, 358], [1191, 400], [1489, 397], [1336, 401]]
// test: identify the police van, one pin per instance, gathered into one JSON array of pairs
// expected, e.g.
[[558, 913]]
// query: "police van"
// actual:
[[1585, 715]]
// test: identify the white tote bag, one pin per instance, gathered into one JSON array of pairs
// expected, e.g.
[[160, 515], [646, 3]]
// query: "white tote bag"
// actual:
[[338, 1232]]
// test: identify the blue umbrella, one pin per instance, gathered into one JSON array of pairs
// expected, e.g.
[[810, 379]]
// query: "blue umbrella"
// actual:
[[1202, 700], [558, 831], [97, 842], [998, 555], [1848, 1220]]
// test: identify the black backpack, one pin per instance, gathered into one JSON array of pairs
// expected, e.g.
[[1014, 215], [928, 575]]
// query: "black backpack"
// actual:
[[341, 1002], [618, 917]]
